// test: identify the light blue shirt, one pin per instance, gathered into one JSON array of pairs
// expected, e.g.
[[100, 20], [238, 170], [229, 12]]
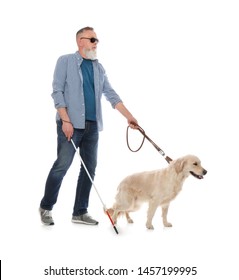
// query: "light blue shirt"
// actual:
[[68, 89]]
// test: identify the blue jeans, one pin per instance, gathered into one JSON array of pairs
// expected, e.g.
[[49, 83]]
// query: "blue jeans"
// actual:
[[87, 140]]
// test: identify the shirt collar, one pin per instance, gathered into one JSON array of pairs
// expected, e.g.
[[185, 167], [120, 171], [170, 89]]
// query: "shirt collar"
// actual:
[[78, 55]]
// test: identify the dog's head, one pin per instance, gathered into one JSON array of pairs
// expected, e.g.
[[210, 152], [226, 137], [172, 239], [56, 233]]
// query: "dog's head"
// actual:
[[190, 164]]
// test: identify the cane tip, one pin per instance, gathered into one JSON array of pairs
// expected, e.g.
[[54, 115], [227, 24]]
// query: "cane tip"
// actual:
[[116, 230]]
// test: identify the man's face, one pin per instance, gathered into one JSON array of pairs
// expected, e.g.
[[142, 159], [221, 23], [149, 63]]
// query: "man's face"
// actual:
[[87, 43]]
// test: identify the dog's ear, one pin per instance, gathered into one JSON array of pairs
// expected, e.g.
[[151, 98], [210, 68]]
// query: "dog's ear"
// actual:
[[179, 165]]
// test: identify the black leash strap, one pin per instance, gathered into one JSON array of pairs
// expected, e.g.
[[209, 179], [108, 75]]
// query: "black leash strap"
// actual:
[[168, 159]]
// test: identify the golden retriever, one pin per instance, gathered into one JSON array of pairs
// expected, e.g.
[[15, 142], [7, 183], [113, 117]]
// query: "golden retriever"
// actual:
[[156, 187]]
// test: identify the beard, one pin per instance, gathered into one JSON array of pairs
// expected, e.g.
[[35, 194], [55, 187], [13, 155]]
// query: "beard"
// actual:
[[90, 54]]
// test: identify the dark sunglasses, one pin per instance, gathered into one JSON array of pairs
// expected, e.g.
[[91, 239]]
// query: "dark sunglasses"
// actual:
[[92, 40]]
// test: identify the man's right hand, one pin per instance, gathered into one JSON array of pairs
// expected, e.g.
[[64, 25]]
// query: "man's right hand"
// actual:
[[68, 130]]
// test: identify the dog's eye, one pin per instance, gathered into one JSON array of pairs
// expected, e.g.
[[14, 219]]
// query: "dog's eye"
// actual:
[[195, 163]]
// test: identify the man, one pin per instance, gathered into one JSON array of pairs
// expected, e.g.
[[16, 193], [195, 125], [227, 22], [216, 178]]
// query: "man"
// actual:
[[78, 84]]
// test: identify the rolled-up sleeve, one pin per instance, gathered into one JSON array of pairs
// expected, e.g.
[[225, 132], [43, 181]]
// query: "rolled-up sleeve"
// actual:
[[59, 82], [110, 93]]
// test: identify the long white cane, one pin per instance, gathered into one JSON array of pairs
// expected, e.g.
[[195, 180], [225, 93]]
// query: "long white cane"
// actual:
[[105, 209]]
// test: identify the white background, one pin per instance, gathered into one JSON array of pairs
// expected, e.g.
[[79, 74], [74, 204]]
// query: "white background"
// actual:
[[175, 65]]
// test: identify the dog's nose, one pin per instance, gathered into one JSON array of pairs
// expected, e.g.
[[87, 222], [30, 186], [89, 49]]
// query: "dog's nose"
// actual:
[[204, 171]]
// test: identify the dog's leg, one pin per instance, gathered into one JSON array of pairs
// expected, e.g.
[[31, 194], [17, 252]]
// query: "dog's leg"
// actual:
[[164, 216], [130, 221], [151, 211], [115, 216]]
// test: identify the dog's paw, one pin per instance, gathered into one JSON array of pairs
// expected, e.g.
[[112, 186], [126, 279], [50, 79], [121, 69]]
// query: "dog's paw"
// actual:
[[168, 224], [149, 226], [130, 221]]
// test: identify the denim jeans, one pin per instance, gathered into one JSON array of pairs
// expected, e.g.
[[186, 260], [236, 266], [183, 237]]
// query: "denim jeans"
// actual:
[[87, 140]]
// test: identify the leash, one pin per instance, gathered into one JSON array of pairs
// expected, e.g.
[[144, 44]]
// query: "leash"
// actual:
[[168, 159]]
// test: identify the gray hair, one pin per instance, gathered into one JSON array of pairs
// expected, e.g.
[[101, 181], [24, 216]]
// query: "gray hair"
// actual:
[[84, 29]]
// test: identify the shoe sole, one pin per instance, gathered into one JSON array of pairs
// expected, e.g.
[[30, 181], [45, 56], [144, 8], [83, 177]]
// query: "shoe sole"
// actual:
[[48, 224], [84, 223]]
